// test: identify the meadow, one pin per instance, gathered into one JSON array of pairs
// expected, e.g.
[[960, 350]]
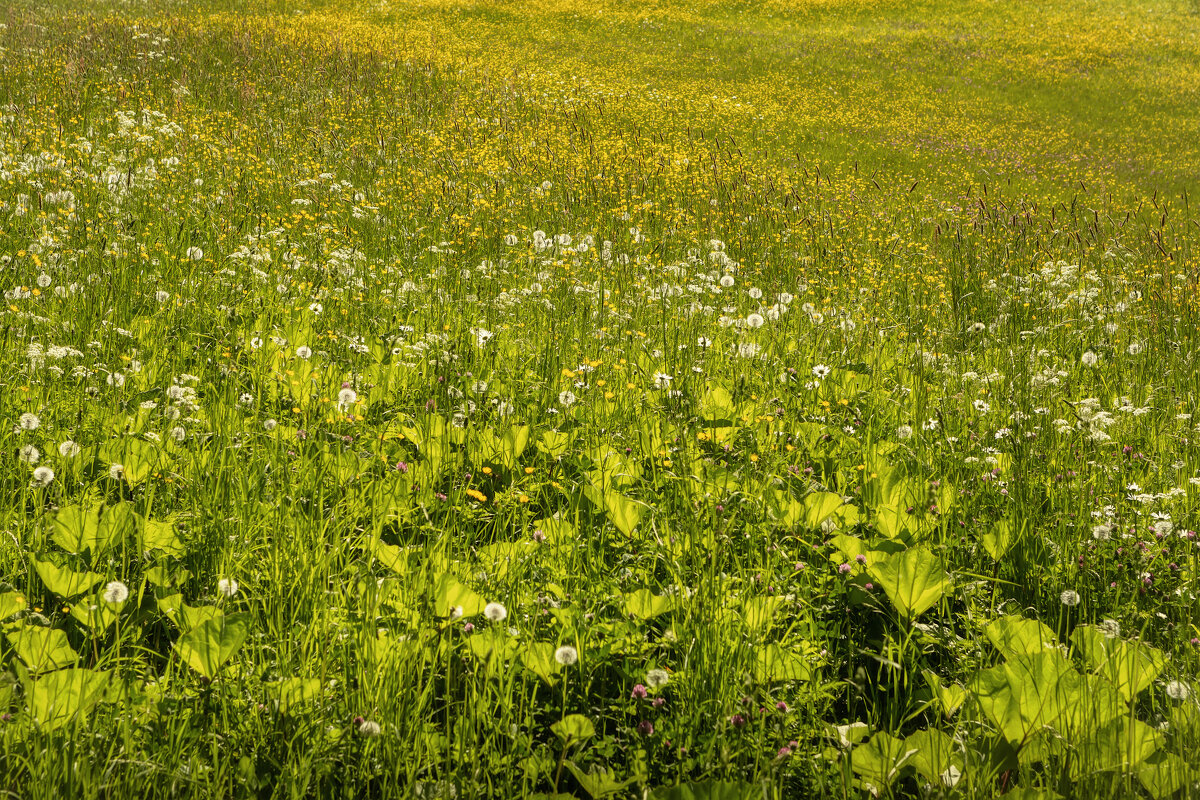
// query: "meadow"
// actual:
[[676, 400]]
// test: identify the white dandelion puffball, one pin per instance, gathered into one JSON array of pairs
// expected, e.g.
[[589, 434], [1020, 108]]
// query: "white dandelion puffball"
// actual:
[[304, 351], [195, 253], [346, 397], [566, 655], [1178, 691], [657, 678], [116, 471], [115, 592], [1069, 598], [68, 449], [28, 422], [42, 476], [369, 728], [29, 454], [754, 321], [495, 612], [904, 432], [566, 398], [1090, 359], [227, 587]]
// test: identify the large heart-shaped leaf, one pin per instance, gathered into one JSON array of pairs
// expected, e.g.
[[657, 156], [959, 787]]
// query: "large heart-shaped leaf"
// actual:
[[598, 781], [1164, 774], [11, 603], [776, 664], [289, 693], [538, 658], [644, 604], [913, 579], [206, 647], [160, 534], [137, 457], [42, 649], [573, 728], [1130, 666], [64, 582], [1000, 538], [624, 513], [936, 757], [709, 790], [94, 530], [880, 759], [57, 697], [1016, 636], [1119, 746], [451, 597], [820, 506], [1027, 693]]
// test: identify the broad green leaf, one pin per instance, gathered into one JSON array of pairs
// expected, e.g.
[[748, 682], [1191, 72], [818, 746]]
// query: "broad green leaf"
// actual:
[[557, 532], [493, 647], [64, 582], [879, 760], [206, 647], [758, 613], [392, 556], [164, 575], [819, 506], [289, 693], [934, 755], [160, 534], [57, 697], [1027, 693], [644, 604], [849, 734], [93, 611], [717, 403], [709, 790], [168, 600], [11, 603], [538, 658], [1016, 636], [1031, 793], [76, 529], [1119, 746], [573, 728], [42, 649], [1000, 539], [93, 530], [341, 467], [913, 579], [624, 513], [450, 595], [555, 443], [512, 445], [1164, 774], [138, 457], [189, 617], [499, 558], [598, 781], [1130, 666], [774, 664], [950, 698]]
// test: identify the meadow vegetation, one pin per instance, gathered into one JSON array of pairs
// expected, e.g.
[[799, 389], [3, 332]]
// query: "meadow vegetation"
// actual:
[[681, 399]]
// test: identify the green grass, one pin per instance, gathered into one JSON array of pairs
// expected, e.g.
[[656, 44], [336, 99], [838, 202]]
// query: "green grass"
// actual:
[[835, 437]]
